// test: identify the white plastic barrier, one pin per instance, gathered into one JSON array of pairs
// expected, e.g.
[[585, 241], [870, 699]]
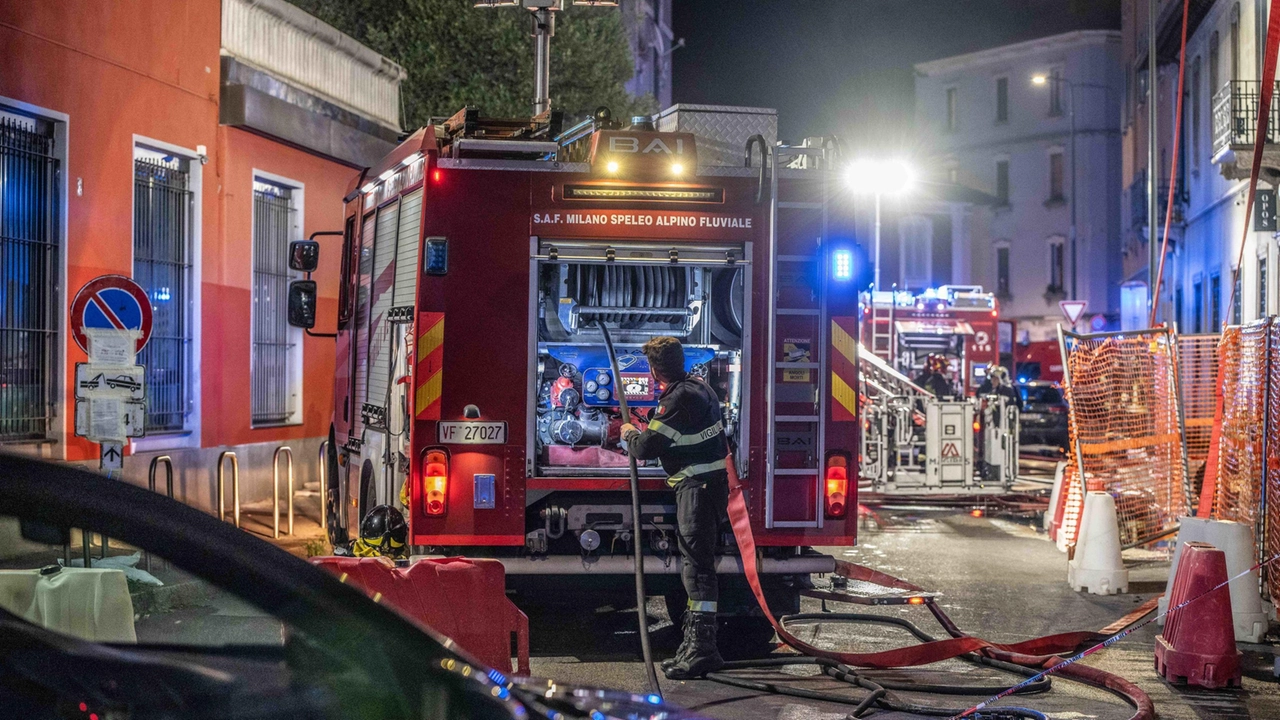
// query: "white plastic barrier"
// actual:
[[1248, 610], [1096, 564]]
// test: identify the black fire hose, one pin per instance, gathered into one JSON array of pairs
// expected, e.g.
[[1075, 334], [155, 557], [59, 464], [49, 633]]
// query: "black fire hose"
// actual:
[[880, 689], [641, 597]]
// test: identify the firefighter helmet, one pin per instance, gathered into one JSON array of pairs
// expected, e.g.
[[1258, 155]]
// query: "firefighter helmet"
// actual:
[[382, 532], [999, 376]]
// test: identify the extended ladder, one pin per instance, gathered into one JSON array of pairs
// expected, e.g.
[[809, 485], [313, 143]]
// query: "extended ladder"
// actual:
[[795, 436], [882, 319]]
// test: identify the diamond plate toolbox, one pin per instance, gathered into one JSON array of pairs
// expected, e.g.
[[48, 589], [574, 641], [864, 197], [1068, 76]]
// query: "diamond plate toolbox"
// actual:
[[722, 130]]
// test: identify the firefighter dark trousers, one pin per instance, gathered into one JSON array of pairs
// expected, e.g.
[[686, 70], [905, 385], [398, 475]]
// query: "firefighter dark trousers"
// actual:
[[701, 507]]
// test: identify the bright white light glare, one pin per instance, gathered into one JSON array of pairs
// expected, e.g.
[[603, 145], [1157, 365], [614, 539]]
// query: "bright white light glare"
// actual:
[[411, 159], [1039, 79], [368, 188], [677, 168], [386, 174], [884, 177], [612, 166], [842, 265]]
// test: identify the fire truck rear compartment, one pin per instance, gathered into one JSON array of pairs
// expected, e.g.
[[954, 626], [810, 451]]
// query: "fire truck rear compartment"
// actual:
[[640, 291]]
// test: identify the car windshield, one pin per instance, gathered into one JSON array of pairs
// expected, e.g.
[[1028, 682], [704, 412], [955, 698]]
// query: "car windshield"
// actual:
[[1041, 395]]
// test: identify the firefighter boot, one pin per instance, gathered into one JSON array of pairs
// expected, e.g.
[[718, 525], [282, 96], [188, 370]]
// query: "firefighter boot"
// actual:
[[702, 656], [685, 644]]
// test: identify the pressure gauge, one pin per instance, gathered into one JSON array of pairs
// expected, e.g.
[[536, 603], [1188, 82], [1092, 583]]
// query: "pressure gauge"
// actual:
[[602, 395], [590, 386], [602, 379]]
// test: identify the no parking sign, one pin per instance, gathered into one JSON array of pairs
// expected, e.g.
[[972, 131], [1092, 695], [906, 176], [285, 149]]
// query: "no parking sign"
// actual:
[[111, 302]]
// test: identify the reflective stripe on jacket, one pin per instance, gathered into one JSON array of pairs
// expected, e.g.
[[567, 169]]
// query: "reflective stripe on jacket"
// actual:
[[686, 433]]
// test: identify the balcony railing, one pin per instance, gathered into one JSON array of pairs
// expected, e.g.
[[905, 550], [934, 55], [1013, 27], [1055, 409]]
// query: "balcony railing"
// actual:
[[1138, 201], [1235, 115]]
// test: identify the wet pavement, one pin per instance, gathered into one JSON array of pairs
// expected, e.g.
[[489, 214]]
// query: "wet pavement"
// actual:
[[999, 579]]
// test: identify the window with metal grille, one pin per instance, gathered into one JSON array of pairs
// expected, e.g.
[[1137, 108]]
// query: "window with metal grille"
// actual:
[[273, 397], [29, 307], [162, 258]]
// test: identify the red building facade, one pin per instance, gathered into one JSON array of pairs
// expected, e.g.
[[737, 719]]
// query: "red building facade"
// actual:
[[183, 143]]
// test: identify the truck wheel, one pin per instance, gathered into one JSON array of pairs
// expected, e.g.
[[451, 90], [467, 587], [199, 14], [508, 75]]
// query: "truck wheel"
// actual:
[[333, 495]]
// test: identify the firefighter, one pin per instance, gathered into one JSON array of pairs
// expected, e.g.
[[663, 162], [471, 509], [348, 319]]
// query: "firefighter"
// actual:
[[687, 435], [934, 377], [998, 383]]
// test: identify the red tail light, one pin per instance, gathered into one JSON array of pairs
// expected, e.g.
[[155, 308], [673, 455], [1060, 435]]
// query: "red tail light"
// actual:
[[435, 482], [837, 484]]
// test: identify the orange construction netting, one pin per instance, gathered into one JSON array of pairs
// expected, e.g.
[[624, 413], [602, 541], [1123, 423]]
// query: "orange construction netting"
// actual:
[[1244, 367], [1126, 431], [1197, 380]]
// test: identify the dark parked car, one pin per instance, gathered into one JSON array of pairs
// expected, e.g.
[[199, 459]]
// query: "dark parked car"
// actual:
[[269, 635], [1044, 415]]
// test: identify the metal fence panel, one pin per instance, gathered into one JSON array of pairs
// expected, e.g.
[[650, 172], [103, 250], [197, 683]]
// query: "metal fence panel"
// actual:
[[162, 261], [272, 393], [29, 243]]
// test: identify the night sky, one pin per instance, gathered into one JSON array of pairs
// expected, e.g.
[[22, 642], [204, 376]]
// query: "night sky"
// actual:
[[845, 66]]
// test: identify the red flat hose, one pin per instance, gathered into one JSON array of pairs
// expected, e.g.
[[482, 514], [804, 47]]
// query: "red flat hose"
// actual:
[[1173, 173], [1037, 653]]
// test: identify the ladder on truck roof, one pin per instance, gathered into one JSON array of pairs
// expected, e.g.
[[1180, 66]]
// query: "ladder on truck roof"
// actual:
[[789, 473], [882, 320]]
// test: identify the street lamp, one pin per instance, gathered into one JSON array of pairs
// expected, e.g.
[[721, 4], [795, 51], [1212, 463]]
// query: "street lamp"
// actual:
[[544, 28], [1043, 79], [878, 178]]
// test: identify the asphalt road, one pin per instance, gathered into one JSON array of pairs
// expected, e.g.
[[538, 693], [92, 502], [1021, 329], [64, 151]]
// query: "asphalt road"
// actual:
[[998, 579]]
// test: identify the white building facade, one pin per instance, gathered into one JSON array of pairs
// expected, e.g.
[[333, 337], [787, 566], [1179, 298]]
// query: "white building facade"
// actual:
[[1220, 96], [986, 123]]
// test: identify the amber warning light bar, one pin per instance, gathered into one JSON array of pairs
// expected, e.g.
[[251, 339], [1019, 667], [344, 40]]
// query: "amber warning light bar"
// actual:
[[642, 193]]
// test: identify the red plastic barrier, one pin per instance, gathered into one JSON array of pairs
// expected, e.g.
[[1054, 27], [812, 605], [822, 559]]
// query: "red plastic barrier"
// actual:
[[1198, 645], [463, 599]]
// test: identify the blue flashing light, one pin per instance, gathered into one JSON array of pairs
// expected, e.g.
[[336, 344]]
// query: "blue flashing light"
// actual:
[[597, 715], [842, 265], [503, 693], [653, 699], [436, 261], [1022, 380], [497, 677]]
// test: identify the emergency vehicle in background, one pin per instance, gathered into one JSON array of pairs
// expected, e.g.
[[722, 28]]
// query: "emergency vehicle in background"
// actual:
[[914, 443], [478, 258], [960, 322]]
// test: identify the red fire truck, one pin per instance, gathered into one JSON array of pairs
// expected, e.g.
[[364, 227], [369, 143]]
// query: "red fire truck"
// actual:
[[960, 322], [478, 259]]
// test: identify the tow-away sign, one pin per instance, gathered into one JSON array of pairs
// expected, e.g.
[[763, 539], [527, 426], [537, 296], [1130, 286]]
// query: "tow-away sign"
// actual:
[[1073, 309]]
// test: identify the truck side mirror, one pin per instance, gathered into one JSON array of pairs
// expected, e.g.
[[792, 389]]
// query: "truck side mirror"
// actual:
[[302, 303], [304, 255]]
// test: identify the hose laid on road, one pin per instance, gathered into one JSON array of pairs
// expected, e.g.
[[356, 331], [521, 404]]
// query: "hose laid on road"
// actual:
[[641, 597], [1038, 654]]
